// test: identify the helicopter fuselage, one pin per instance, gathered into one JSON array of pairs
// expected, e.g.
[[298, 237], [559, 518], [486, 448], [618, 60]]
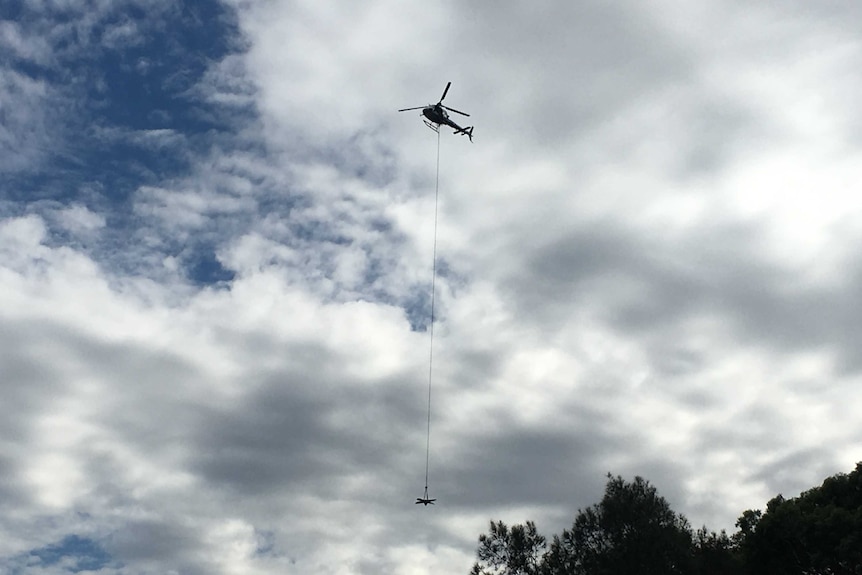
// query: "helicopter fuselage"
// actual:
[[438, 115]]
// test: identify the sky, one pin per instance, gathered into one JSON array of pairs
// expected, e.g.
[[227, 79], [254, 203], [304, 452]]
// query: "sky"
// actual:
[[216, 254]]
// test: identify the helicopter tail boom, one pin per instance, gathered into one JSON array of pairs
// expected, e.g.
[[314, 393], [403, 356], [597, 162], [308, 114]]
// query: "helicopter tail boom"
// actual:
[[468, 131]]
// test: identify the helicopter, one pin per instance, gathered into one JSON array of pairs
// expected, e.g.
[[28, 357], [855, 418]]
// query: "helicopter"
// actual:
[[436, 116]]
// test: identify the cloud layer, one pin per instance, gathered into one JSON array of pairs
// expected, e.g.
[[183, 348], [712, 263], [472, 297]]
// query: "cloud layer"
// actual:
[[215, 269]]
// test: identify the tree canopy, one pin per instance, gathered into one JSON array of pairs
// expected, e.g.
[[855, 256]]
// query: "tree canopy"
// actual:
[[509, 551], [633, 530], [819, 532]]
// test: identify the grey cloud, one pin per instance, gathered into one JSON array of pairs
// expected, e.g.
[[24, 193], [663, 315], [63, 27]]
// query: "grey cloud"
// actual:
[[477, 367], [310, 433], [650, 287], [269, 443], [750, 429], [157, 542], [706, 133], [573, 70], [32, 372], [792, 473], [550, 465]]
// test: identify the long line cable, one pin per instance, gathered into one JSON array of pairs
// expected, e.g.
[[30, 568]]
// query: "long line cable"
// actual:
[[431, 328]]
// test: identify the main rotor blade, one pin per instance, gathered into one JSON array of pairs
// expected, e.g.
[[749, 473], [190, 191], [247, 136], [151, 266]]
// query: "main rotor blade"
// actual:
[[445, 91], [456, 111], [416, 108]]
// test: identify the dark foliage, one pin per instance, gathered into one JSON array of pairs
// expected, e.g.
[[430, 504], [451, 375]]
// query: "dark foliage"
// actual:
[[633, 530], [817, 533], [715, 554], [505, 551]]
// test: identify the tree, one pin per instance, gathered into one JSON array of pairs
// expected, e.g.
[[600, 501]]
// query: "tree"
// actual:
[[632, 530], [715, 553], [817, 533], [746, 524], [505, 551]]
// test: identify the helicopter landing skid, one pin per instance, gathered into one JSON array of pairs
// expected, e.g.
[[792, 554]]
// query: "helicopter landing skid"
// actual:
[[433, 126]]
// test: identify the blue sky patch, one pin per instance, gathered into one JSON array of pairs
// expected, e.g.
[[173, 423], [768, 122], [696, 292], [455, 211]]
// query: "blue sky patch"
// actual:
[[120, 98], [72, 554], [125, 88]]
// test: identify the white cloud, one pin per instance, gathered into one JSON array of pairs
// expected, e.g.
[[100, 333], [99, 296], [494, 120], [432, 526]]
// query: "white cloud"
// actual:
[[125, 428], [79, 220], [31, 48], [23, 136]]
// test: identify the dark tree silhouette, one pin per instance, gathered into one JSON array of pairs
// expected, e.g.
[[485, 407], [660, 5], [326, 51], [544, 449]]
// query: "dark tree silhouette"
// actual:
[[817, 533], [509, 551], [715, 553], [632, 530]]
